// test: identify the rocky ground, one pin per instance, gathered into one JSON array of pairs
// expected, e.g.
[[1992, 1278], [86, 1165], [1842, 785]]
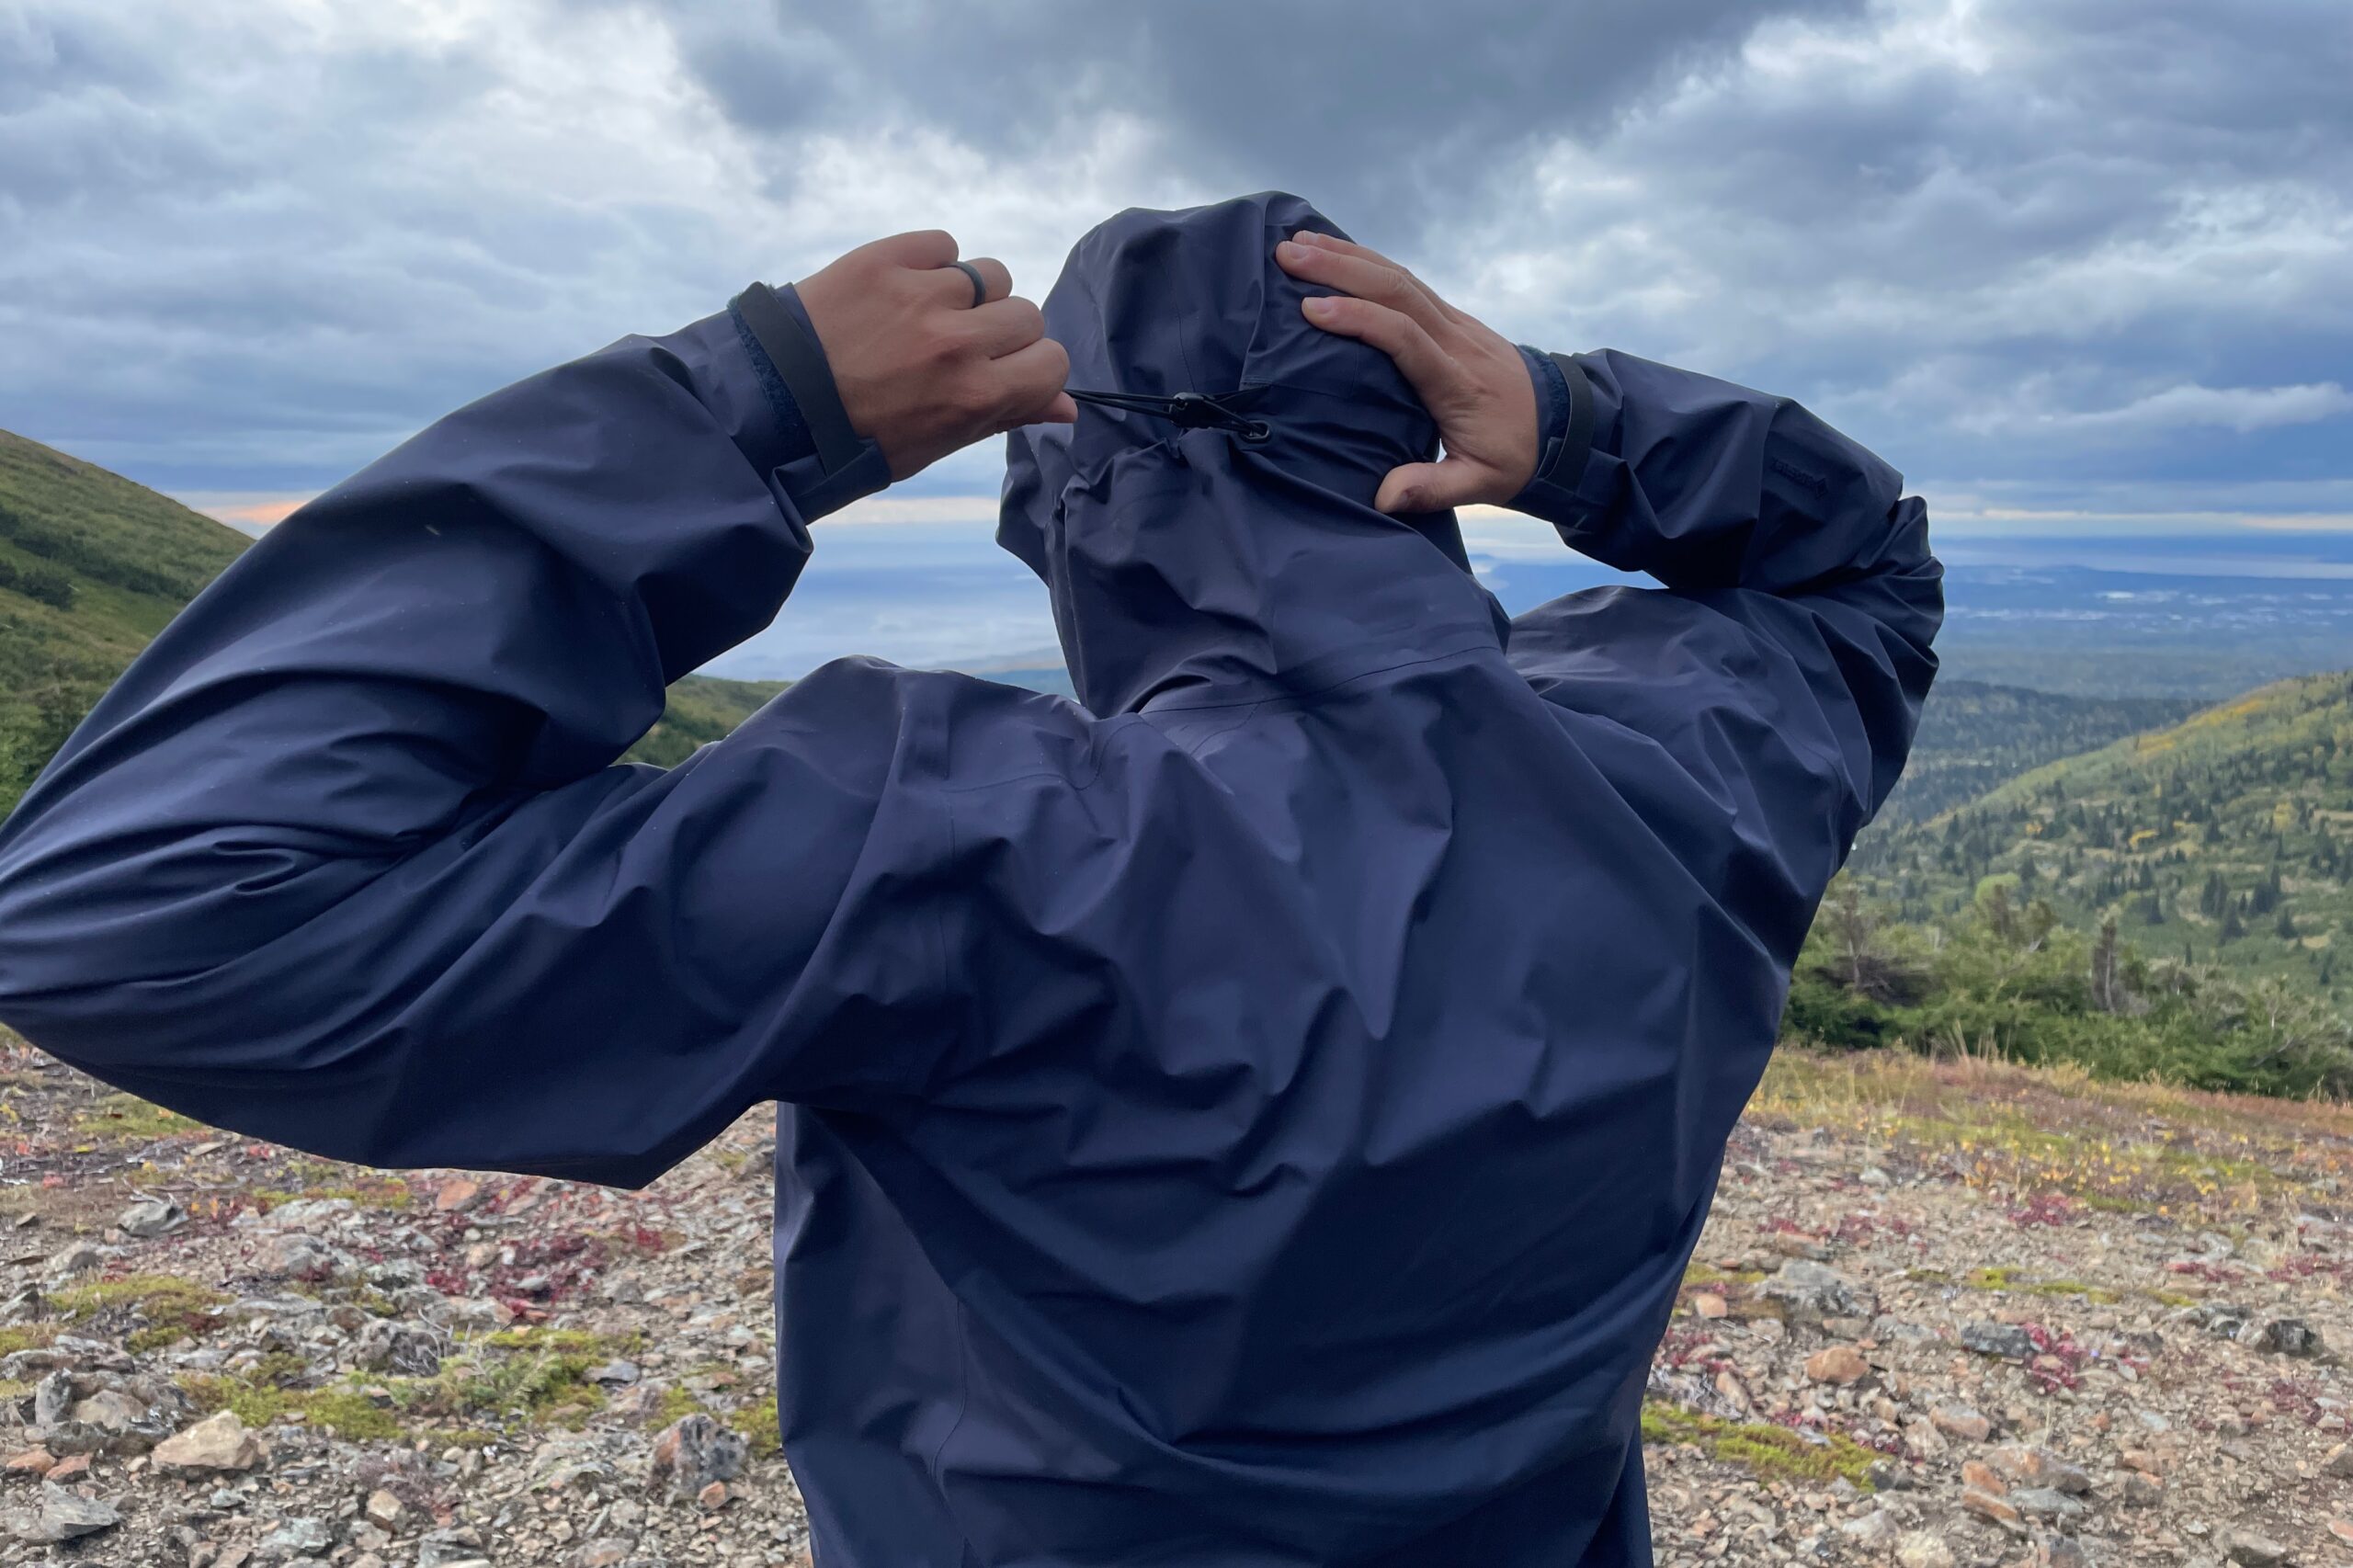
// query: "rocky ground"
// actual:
[[1944, 1315]]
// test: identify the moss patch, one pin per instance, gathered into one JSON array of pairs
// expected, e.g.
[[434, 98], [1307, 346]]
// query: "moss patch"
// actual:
[[2007, 1279], [259, 1400], [567, 1341], [27, 1336], [1770, 1451], [675, 1404], [390, 1193], [170, 1307], [757, 1423], [126, 1119], [539, 1387], [518, 1377]]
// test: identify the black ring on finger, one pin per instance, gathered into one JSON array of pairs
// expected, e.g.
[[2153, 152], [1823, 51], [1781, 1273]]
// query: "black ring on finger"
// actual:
[[980, 287]]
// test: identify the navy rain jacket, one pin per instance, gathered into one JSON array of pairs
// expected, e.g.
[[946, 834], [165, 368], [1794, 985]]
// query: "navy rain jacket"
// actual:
[[1257, 1115]]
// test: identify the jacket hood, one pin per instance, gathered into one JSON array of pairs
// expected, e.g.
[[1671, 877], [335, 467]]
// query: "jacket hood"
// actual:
[[1193, 567]]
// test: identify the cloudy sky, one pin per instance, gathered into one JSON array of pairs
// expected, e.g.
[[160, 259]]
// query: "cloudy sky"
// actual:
[[2058, 260]]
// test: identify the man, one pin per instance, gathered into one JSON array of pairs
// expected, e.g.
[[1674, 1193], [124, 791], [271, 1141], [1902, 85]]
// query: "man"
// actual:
[[1258, 1117]]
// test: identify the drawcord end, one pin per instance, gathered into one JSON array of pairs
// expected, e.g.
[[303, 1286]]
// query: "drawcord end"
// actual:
[[1190, 411]]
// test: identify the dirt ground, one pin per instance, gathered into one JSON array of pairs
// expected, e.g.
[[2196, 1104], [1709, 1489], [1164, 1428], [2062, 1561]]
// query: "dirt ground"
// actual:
[[1945, 1314]]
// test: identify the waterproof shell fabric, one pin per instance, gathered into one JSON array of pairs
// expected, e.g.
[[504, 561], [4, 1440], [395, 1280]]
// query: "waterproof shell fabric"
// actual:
[[1257, 1117]]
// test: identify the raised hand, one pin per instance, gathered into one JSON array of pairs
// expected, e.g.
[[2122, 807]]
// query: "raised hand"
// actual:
[[921, 370], [1471, 379]]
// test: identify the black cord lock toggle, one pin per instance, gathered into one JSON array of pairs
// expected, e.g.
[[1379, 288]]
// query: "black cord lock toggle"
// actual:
[[1190, 411]]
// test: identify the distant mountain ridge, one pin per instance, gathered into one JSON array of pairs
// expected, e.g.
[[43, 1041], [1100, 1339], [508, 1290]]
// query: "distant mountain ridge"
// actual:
[[92, 566]]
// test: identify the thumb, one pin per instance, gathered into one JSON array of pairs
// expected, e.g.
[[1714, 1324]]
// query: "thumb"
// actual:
[[1427, 487]]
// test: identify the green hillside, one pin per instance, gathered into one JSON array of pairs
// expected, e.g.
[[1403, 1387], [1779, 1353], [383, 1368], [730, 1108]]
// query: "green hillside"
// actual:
[[2226, 839], [1974, 735], [701, 710], [92, 566]]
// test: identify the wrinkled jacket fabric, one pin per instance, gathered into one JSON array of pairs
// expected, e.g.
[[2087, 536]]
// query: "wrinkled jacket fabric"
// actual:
[[1256, 1114]]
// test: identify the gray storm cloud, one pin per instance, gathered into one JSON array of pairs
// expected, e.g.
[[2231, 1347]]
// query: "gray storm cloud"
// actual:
[[2053, 248]]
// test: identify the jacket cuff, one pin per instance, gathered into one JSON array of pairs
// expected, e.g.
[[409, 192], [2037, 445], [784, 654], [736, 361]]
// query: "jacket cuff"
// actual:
[[1551, 493], [832, 465]]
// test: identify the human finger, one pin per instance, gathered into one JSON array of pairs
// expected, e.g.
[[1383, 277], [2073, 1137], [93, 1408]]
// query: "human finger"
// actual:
[[1373, 280], [918, 248], [1029, 382], [953, 286], [1430, 487], [1000, 326], [1427, 367], [1317, 240]]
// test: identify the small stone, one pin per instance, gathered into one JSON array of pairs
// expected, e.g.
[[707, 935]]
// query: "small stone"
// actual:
[[34, 1463], [2342, 1530], [451, 1548], [64, 1516], [2337, 1461], [1809, 1292], [1987, 1506], [2142, 1491], [67, 1471], [619, 1373], [1961, 1421], [1982, 1477], [399, 1348], [216, 1443], [457, 1196], [2252, 1551], [712, 1498], [1886, 1475], [692, 1453], [1837, 1364], [151, 1217], [294, 1255], [1921, 1550], [303, 1538], [1708, 1304], [308, 1214], [1875, 1531], [74, 1257], [2002, 1339], [2044, 1503], [385, 1509], [2038, 1467], [608, 1551]]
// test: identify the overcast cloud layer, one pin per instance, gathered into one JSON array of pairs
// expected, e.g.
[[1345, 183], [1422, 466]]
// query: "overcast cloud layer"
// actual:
[[2088, 257]]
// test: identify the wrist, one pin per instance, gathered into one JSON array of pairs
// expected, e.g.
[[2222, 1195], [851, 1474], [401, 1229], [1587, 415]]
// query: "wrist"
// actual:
[[1572, 412], [834, 465]]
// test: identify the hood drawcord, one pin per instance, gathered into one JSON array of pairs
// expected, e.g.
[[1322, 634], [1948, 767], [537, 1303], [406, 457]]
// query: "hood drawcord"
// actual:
[[1192, 411]]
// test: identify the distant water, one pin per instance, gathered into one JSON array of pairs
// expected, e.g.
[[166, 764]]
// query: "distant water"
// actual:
[[944, 595]]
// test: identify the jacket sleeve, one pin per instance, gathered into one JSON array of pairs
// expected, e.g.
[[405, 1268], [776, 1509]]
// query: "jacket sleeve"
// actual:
[[345, 858], [1758, 706]]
